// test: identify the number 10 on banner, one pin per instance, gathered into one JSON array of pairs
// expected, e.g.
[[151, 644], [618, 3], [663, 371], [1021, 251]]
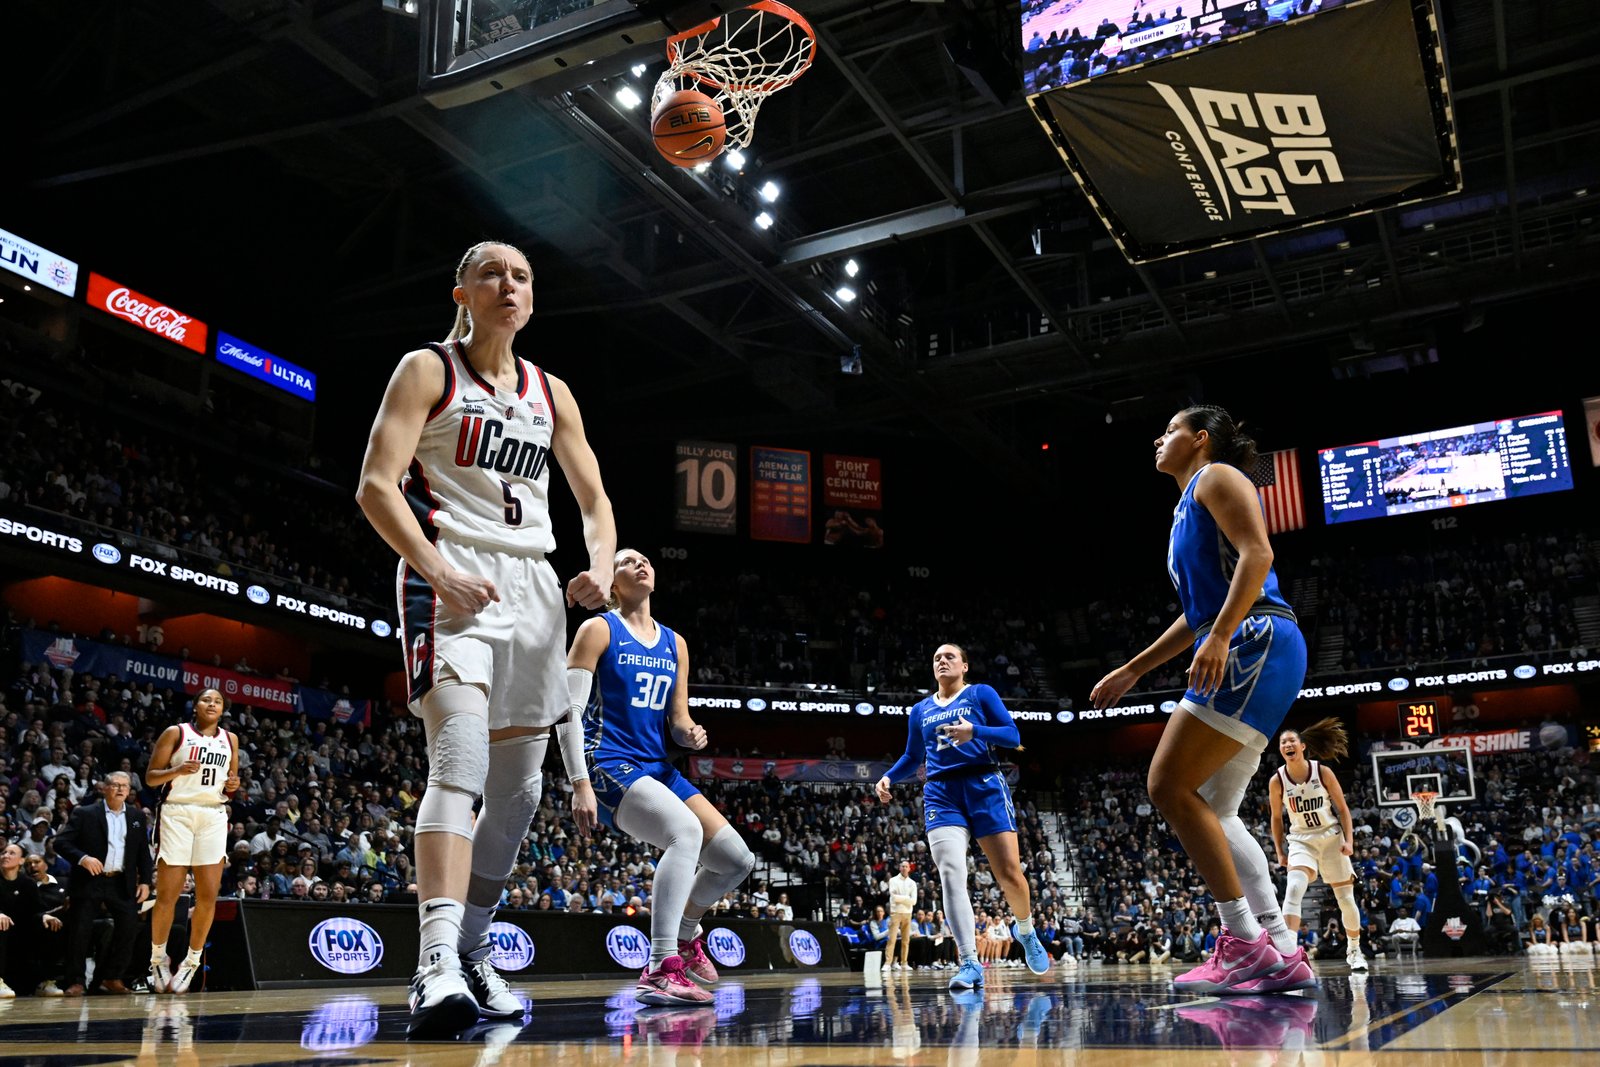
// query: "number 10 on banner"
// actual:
[[707, 491]]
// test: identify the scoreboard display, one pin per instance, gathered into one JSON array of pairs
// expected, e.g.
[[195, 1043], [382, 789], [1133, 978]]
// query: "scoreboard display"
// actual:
[[1419, 720], [1498, 460]]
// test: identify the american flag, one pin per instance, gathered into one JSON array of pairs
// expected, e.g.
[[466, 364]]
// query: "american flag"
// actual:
[[1277, 481]]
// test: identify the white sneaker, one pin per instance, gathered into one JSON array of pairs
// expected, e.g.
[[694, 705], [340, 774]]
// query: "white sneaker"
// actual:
[[489, 989], [441, 1001], [182, 976], [48, 988], [1357, 961], [161, 975], [6, 992]]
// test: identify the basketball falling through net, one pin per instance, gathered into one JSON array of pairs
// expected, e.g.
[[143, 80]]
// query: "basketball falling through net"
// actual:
[[720, 73]]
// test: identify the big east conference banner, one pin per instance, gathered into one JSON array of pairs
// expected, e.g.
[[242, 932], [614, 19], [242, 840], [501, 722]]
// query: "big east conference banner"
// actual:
[[1296, 124], [146, 312]]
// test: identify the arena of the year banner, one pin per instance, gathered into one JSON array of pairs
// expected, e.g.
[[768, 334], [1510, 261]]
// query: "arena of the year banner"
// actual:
[[1299, 123]]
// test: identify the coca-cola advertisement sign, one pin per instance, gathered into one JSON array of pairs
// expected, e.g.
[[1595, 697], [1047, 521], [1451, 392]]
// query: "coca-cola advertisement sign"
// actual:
[[146, 312]]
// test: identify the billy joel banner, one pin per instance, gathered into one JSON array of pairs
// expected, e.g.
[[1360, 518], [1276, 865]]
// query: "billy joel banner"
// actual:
[[1299, 123], [706, 497]]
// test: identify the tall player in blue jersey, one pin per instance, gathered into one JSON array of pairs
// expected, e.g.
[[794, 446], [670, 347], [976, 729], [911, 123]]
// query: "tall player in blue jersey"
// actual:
[[955, 731], [1249, 662], [628, 677]]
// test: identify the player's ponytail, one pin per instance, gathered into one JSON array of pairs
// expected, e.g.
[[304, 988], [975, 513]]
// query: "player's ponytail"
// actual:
[[463, 323], [1326, 740], [1229, 443]]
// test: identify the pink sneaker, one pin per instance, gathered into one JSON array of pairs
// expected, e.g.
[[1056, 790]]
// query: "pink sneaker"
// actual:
[[1294, 974], [1256, 1023], [669, 984], [696, 961], [1234, 961]]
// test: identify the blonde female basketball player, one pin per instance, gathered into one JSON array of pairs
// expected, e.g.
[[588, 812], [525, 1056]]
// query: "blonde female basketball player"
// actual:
[[470, 429], [196, 764], [1319, 826], [632, 673]]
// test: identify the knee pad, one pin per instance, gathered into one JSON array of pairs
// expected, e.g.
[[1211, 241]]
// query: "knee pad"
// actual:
[[949, 845], [1296, 891], [1349, 912], [444, 809], [1224, 791], [511, 791], [726, 853], [457, 720]]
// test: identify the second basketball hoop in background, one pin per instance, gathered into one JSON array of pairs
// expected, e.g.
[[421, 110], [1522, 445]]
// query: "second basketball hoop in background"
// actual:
[[688, 128]]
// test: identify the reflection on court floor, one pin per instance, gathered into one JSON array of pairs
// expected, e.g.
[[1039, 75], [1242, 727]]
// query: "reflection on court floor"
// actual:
[[1420, 1015]]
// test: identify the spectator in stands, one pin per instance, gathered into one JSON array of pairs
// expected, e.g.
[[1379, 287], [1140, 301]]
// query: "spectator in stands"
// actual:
[[1574, 932], [24, 921], [1540, 941], [877, 931]]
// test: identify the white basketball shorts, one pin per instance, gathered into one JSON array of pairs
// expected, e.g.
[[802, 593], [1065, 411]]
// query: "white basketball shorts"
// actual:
[[515, 648], [192, 835], [1320, 852]]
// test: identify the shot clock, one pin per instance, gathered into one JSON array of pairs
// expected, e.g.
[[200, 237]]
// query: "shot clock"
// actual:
[[1419, 720]]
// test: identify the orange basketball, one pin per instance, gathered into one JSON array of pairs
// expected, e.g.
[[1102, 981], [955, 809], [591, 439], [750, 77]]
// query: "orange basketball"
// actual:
[[688, 128]]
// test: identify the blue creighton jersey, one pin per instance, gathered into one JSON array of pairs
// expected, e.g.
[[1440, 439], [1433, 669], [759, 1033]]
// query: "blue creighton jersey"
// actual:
[[1200, 562], [634, 680], [992, 726]]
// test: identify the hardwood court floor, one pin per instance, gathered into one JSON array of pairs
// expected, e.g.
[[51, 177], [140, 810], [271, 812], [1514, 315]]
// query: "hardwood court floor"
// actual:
[[1432, 1014]]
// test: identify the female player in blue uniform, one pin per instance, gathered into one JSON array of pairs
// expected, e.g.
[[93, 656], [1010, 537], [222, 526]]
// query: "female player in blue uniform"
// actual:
[[955, 732], [628, 678], [1249, 663]]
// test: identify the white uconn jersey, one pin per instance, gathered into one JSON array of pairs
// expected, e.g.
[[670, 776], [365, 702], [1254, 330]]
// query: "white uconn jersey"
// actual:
[[215, 753], [1307, 804], [481, 474]]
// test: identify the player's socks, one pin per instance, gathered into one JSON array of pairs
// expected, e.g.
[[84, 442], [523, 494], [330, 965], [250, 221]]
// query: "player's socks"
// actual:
[[1237, 918], [1283, 938]]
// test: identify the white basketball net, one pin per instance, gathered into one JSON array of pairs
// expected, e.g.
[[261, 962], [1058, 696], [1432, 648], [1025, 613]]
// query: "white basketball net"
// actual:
[[1427, 810], [739, 60]]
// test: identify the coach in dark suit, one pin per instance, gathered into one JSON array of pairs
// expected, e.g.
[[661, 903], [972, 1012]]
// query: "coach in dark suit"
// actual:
[[108, 845]]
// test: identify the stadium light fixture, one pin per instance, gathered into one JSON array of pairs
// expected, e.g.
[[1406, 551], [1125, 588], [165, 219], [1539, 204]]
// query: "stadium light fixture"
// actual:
[[769, 192], [736, 159], [764, 221], [638, 70], [628, 98], [852, 268], [845, 294]]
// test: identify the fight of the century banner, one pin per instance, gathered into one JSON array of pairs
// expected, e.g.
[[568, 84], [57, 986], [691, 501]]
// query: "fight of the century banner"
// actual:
[[1296, 124]]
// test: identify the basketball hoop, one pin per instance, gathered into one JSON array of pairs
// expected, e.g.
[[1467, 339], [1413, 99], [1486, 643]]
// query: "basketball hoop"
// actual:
[[739, 59], [1426, 812]]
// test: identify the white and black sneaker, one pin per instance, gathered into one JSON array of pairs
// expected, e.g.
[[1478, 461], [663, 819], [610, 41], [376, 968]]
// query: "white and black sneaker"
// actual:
[[441, 1003], [1356, 960], [183, 976], [489, 989]]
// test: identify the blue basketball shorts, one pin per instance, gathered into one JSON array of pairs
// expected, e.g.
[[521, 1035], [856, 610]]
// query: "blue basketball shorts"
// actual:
[[1265, 671], [979, 802], [612, 778]]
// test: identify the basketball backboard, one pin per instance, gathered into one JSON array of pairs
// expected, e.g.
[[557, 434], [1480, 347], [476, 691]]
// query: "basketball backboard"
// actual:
[[472, 49], [1445, 770]]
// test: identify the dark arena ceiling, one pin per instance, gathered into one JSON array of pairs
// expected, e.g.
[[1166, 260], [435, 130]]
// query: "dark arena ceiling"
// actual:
[[274, 161]]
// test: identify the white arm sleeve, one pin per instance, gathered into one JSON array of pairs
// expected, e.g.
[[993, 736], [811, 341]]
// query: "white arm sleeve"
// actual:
[[569, 731]]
